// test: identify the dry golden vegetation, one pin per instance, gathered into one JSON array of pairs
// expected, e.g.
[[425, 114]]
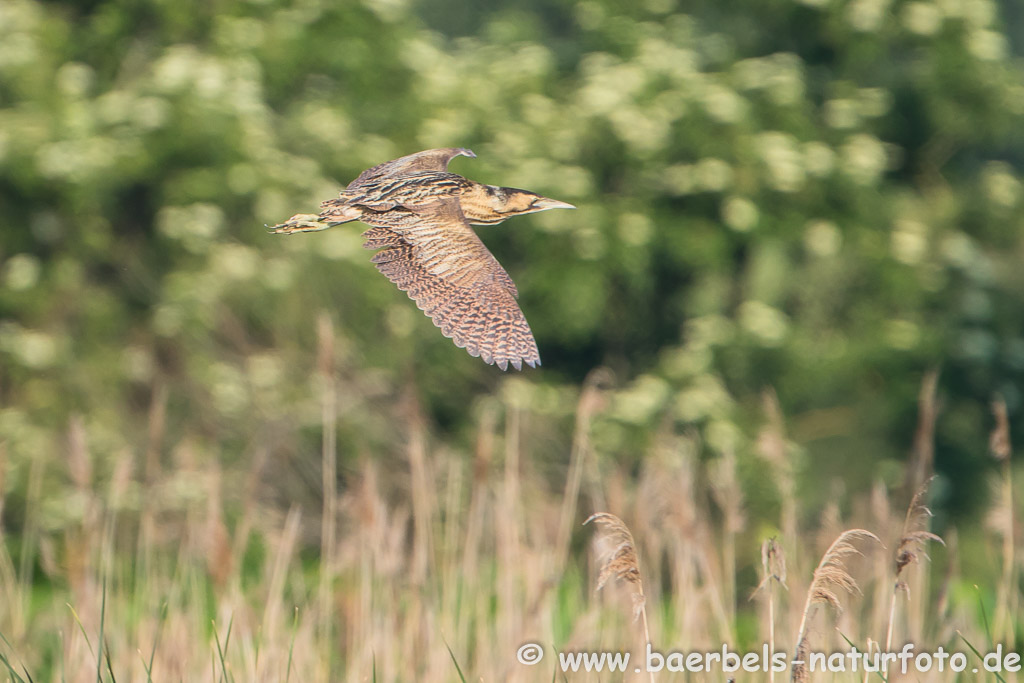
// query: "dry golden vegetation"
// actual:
[[437, 565]]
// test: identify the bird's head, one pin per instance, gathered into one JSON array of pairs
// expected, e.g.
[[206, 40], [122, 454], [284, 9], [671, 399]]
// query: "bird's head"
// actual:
[[509, 201]]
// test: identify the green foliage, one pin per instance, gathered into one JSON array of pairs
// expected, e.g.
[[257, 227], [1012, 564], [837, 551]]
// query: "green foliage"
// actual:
[[820, 196]]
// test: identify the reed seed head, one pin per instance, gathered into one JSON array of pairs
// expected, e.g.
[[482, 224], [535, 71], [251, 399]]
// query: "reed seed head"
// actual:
[[915, 535], [620, 560]]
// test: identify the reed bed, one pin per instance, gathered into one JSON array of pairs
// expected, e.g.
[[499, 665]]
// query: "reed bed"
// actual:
[[438, 565]]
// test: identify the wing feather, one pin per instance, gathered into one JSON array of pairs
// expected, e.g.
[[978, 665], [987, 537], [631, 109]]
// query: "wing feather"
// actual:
[[433, 255]]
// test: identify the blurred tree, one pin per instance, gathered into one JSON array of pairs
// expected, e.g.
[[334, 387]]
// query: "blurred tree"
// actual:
[[820, 195]]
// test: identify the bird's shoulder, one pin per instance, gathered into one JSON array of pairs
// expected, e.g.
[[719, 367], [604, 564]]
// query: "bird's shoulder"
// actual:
[[428, 160]]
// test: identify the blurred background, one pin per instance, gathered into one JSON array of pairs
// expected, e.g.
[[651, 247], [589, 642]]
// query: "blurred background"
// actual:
[[809, 205]]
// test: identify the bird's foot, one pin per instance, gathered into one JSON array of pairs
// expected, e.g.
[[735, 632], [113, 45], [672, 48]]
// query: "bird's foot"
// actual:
[[302, 222]]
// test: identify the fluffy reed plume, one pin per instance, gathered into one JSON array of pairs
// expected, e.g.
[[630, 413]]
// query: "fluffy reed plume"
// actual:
[[909, 549], [829, 579], [621, 563], [1001, 448], [773, 566]]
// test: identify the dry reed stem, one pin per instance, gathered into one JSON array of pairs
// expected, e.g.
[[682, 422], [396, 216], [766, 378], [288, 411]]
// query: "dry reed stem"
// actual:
[[482, 457], [872, 646], [923, 452], [881, 516], [728, 494], [285, 550], [771, 445], [10, 589], [942, 600], [156, 423], [3, 482], [830, 579], [422, 494], [913, 539], [217, 542], [621, 563], [82, 540], [591, 402], [250, 509], [1007, 597], [673, 525], [329, 476], [509, 531], [8, 578], [999, 440], [449, 560], [773, 568], [79, 462]]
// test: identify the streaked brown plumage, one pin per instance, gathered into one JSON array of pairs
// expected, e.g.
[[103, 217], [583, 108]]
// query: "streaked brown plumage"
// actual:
[[420, 215]]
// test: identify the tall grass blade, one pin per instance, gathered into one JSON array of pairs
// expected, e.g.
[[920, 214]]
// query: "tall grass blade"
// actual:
[[291, 646], [221, 651], [110, 666], [984, 614], [227, 636], [7, 664], [979, 655], [454, 660], [103, 616], [156, 639], [81, 628], [854, 646]]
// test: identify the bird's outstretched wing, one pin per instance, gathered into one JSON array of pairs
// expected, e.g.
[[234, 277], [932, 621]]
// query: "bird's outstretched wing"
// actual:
[[429, 160], [433, 255]]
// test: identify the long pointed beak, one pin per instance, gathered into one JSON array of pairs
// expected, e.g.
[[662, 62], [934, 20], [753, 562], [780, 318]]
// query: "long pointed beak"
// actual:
[[544, 203]]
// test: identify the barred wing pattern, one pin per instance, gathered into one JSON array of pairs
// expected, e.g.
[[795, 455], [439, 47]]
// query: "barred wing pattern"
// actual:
[[430, 160], [381, 194], [432, 254]]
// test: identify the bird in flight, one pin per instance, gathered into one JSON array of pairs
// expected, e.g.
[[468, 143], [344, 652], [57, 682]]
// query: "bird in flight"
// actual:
[[420, 216]]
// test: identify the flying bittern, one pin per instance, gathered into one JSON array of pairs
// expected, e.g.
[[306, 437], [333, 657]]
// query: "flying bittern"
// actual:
[[420, 215]]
